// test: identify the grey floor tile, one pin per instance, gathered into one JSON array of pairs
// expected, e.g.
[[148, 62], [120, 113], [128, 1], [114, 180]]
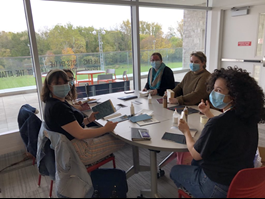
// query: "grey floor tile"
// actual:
[[14, 99]]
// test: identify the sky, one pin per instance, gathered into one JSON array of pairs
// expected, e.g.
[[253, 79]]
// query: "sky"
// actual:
[[48, 14]]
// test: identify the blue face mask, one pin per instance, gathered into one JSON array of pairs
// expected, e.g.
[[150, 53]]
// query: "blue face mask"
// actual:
[[61, 91], [217, 100], [156, 64], [195, 67], [72, 82]]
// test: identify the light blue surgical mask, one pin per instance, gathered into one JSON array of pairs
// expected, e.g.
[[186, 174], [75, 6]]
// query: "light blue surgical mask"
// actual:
[[61, 91], [217, 100], [156, 64], [194, 67], [72, 82]]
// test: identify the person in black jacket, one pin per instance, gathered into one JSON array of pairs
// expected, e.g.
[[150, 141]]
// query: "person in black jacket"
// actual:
[[160, 77]]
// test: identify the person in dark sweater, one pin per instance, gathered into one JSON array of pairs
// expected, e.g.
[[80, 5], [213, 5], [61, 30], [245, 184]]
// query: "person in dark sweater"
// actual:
[[228, 142], [193, 86], [160, 77]]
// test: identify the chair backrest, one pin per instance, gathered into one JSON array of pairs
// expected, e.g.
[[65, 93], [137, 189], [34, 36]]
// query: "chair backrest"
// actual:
[[125, 77], [72, 179], [110, 71], [105, 77], [248, 183]]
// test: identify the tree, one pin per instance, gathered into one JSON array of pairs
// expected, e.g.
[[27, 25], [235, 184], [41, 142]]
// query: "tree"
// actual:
[[61, 37], [180, 28]]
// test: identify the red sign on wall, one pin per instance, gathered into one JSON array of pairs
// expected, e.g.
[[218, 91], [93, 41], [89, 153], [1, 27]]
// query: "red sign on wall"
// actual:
[[244, 43]]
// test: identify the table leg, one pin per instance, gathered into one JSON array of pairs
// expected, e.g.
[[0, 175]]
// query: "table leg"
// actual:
[[92, 81], [136, 168], [153, 193]]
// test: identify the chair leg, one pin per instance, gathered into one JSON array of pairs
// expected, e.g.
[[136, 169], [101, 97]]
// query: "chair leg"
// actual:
[[168, 159], [114, 163], [180, 156], [39, 181], [51, 187]]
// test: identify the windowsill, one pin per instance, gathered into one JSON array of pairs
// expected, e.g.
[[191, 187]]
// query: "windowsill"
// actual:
[[33, 89]]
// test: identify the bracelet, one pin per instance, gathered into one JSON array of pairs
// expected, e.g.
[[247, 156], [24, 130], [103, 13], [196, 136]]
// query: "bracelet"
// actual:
[[88, 120]]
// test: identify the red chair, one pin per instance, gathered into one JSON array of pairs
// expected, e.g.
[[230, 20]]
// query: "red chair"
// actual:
[[247, 183], [89, 168]]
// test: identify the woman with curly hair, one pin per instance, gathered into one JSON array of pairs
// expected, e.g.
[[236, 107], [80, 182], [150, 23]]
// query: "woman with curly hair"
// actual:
[[228, 142]]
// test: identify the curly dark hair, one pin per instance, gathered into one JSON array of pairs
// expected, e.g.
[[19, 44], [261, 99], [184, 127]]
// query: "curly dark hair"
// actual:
[[247, 95], [72, 95]]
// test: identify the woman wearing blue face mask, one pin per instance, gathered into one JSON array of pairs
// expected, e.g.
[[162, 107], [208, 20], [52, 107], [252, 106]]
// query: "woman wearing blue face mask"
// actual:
[[160, 77], [228, 142], [193, 86], [91, 144]]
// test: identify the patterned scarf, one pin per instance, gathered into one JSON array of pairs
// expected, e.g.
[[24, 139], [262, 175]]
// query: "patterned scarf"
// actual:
[[154, 77]]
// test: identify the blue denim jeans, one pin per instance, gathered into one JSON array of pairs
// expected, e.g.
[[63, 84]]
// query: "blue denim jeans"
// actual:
[[195, 181]]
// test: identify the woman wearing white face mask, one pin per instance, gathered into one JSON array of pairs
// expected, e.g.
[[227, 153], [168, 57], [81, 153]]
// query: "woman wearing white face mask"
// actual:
[[91, 144], [228, 142], [193, 86], [160, 77]]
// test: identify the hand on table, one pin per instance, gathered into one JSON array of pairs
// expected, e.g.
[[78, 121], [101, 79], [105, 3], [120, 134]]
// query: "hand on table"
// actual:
[[154, 92], [110, 126], [173, 101]]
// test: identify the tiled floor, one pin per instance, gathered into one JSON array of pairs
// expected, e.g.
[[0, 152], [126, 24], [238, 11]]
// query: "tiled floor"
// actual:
[[10, 105]]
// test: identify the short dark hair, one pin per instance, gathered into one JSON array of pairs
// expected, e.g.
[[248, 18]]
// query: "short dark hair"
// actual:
[[158, 54], [52, 75], [247, 95], [201, 56]]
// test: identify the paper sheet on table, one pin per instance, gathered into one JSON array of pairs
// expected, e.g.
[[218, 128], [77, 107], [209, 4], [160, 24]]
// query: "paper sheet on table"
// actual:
[[176, 130], [145, 111]]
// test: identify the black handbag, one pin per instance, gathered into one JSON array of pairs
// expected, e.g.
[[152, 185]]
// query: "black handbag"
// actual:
[[109, 183]]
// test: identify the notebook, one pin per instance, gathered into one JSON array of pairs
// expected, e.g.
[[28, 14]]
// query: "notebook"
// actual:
[[135, 135], [174, 137], [105, 108], [170, 94], [128, 97], [119, 119], [139, 118]]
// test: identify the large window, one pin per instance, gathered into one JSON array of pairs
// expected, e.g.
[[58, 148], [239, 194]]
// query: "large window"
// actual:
[[91, 37], [175, 37], [16, 73]]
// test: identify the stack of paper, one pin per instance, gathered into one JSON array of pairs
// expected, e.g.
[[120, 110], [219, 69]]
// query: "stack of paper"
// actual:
[[170, 94]]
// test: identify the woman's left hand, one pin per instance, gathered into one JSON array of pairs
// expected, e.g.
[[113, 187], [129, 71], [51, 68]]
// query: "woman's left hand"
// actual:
[[183, 126], [92, 117], [85, 107], [154, 92]]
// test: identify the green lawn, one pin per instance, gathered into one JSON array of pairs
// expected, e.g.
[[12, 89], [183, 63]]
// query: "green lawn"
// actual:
[[14, 82]]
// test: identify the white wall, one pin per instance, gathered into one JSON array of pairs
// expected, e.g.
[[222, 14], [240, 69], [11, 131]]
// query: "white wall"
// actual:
[[11, 142]]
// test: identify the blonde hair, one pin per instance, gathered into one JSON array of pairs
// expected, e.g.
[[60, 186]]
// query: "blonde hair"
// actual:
[[201, 56], [53, 75]]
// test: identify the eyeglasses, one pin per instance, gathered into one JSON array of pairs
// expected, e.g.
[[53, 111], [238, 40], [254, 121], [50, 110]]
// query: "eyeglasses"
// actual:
[[71, 78]]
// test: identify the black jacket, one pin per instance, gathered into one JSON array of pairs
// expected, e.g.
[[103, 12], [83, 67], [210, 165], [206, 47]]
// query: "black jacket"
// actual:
[[29, 125], [167, 81]]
